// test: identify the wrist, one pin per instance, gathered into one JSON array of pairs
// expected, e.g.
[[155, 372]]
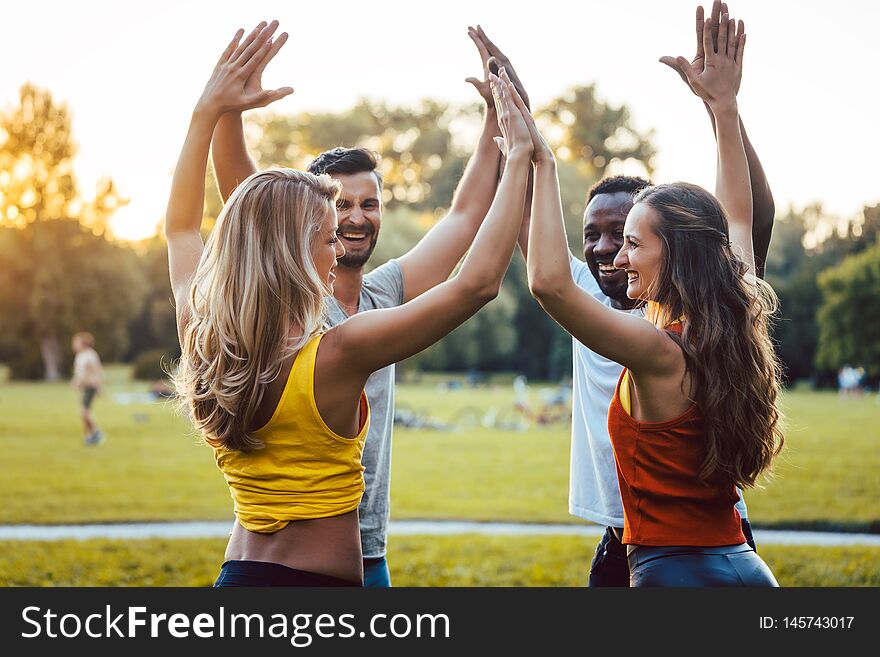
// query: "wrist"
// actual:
[[519, 154], [204, 112], [545, 161], [724, 109]]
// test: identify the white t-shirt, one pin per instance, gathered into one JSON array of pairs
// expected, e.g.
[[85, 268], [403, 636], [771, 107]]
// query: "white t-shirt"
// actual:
[[594, 493]]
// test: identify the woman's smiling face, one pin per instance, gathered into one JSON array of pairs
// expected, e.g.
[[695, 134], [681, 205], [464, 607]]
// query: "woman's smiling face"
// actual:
[[642, 252]]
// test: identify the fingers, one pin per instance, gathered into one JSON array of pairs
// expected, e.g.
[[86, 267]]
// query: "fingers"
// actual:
[[493, 49], [493, 65], [276, 46], [713, 25], [700, 24], [498, 95], [513, 92], [259, 44], [722, 35], [685, 70], [231, 47], [675, 63], [501, 60], [731, 38], [740, 46], [266, 97], [708, 41], [249, 39], [481, 47]]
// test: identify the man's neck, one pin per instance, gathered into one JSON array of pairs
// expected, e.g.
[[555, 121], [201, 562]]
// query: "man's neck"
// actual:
[[347, 287], [625, 304]]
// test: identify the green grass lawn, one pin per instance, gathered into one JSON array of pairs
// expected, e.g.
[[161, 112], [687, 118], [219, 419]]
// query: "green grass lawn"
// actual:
[[415, 561], [152, 466]]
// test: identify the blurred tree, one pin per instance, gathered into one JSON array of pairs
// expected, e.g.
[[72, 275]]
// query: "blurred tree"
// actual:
[[849, 316], [53, 253], [59, 278], [154, 328], [420, 161], [794, 269]]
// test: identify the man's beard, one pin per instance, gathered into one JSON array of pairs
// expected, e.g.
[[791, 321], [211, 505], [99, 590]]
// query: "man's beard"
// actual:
[[357, 260]]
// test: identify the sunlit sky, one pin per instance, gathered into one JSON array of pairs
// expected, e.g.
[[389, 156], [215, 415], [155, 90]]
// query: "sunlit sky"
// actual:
[[131, 73]]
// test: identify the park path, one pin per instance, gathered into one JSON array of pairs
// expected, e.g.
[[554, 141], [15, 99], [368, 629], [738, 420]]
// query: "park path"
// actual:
[[216, 529]]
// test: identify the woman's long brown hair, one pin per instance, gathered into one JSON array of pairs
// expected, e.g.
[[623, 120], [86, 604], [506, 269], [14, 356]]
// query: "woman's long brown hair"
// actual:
[[733, 369]]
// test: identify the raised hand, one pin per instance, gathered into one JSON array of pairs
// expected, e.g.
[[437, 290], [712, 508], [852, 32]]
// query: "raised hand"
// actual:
[[230, 87], [493, 60], [697, 63], [515, 136], [717, 80], [254, 83], [542, 151]]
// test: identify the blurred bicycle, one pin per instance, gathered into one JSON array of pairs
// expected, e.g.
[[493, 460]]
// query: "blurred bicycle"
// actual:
[[406, 416]]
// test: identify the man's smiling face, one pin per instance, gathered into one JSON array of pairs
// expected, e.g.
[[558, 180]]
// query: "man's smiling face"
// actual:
[[360, 216], [604, 219]]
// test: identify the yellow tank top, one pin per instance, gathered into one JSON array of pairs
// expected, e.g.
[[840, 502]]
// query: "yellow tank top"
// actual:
[[304, 470]]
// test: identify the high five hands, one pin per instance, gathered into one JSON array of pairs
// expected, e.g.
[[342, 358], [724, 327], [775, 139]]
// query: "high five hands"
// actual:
[[235, 84], [513, 115], [515, 136], [716, 70], [493, 60]]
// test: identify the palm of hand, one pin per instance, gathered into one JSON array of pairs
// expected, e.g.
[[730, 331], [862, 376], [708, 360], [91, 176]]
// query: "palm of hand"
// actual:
[[224, 90], [717, 80], [254, 84]]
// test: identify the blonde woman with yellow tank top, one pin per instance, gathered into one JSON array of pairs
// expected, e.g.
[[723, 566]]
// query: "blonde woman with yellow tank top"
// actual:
[[278, 398]]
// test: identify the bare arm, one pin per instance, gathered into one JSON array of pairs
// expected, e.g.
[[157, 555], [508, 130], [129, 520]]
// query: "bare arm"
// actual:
[[629, 340], [371, 340], [763, 205], [432, 260], [224, 92], [229, 153], [717, 86], [624, 338]]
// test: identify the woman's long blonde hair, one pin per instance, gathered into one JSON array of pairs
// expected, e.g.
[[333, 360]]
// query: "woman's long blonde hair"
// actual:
[[256, 298]]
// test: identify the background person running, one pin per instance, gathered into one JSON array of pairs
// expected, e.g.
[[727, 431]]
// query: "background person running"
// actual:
[[87, 378], [426, 265], [279, 398], [695, 412]]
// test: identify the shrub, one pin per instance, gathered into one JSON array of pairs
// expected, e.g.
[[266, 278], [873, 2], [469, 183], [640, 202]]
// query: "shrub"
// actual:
[[152, 365]]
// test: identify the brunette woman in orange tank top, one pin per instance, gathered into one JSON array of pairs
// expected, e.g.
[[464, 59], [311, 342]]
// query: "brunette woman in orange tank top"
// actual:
[[701, 377]]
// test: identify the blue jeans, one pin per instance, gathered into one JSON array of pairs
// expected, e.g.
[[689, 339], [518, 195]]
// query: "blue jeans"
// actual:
[[376, 574]]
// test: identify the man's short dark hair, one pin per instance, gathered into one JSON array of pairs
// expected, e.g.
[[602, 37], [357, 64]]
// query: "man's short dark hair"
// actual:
[[347, 161], [613, 184]]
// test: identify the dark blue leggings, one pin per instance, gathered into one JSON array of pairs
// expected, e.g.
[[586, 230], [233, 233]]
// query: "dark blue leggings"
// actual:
[[610, 568], [726, 565], [262, 573]]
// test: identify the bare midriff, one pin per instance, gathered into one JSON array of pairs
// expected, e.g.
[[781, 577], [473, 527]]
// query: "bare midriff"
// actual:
[[329, 546]]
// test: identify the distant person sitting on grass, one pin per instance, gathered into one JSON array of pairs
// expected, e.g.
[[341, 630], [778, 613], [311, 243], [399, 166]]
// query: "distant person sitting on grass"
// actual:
[[87, 374]]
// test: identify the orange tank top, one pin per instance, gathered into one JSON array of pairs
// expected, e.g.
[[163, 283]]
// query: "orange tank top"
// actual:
[[664, 501]]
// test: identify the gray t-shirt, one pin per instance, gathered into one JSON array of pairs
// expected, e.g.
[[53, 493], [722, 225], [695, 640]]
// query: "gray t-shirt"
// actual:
[[381, 288]]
